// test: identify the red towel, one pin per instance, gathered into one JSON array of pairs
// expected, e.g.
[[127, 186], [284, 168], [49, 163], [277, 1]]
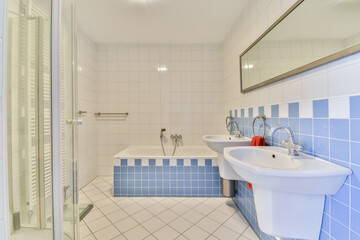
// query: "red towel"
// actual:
[[258, 141]]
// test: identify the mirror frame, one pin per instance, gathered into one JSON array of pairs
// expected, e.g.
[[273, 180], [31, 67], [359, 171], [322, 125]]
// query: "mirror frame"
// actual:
[[314, 64]]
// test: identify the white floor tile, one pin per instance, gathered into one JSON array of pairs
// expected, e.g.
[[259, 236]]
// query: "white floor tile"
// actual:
[[180, 224], [180, 209], [121, 218], [133, 208], [153, 224], [193, 216], [120, 237], [249, 233], [156, 208], [218, 217], [166, 233], [235, 224], [167, 216], [142, 216], [111, 208], [208, 225], [84, 231], [107, 233], [196, 233], [226, 233], [203, 209], [99, 224], [137, 233], [89, 237], [117, 216], [93, 215], [126, 224]]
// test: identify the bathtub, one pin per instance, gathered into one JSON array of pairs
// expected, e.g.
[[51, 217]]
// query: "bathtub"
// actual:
[[143, 171]]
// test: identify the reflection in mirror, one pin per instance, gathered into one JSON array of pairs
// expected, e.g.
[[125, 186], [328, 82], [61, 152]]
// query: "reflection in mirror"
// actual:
[[310, 34]]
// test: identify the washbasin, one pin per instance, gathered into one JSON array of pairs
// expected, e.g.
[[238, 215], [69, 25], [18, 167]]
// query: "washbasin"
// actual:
[[217, 143], [289, 191]]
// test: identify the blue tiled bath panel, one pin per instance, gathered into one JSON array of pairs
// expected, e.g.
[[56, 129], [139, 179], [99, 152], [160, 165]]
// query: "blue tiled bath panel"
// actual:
[[159, 178], [330, 138]]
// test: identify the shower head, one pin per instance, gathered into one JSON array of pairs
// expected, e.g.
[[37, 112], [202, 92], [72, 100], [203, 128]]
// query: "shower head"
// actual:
[[162, 132]]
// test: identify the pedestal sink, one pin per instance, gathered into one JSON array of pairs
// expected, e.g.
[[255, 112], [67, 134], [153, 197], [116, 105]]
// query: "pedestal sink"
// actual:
[[289, 191], [217, 143]]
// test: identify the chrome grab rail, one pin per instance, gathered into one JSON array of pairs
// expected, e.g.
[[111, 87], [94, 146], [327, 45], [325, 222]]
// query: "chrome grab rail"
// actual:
[[262, 117]]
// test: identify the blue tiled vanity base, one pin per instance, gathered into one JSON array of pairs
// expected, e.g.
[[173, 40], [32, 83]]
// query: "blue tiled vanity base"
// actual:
[[328, 129], [167, 180]]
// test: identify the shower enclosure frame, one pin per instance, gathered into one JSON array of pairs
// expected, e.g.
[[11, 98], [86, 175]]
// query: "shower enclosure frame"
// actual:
[[56, 123]]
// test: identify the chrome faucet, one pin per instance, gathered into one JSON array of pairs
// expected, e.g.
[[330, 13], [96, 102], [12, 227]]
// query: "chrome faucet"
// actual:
[[176, 139], [292, 147], [237, 131]]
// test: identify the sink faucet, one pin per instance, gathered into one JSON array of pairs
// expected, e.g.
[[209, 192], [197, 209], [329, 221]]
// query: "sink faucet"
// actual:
[[237, 131], [290, 144]]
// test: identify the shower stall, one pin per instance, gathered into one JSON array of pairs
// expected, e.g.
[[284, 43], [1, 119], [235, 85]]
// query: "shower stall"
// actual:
[[30, 119]]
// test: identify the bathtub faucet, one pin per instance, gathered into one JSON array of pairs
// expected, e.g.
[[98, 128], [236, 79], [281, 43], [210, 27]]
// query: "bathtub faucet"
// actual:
[[176, 139]]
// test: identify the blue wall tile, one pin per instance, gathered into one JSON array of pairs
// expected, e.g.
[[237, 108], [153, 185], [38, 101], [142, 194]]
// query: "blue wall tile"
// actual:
[[123, 162], [306, 126], [242, 113], [321, 108], [137, 162], [294, 110], [339, 128], [321, 146], [275, 111], [340, 212], [355, 107], [261, 110], [355, 153], [355, 130], [251, 112], [355, 220], [339, 150], [321, 127]]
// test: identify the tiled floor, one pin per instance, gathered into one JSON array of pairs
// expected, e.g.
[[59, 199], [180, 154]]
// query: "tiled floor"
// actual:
[[159, 218]]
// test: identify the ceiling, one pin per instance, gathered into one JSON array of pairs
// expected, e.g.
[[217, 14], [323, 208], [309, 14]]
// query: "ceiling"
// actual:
[[158, 21]]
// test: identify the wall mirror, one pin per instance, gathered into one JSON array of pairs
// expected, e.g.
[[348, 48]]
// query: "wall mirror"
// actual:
[[311, 33]]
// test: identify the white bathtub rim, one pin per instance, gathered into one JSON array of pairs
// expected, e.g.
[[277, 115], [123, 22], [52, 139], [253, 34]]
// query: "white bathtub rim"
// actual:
[[124, 154]]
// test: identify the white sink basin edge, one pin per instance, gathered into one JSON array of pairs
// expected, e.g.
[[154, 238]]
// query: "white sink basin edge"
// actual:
[[217, 143]]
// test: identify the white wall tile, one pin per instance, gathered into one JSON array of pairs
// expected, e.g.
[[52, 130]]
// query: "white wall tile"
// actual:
[[267, 110], [306, 109], [284, 110], [339, 107], [188, 95]]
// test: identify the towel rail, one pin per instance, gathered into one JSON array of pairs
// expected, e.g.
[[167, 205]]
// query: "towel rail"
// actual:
[[262, 117], [99, 114]]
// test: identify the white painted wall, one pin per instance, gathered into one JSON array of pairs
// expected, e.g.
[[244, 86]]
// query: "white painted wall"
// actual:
[[185, 100], [4, 226], [87, 102], [333, 79]]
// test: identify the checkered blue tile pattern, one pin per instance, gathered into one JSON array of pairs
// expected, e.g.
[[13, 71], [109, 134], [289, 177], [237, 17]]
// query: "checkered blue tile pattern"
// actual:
[[328, 129], [159, 178]]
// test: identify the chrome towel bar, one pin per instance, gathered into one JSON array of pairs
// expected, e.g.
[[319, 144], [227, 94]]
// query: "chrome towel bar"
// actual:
[[100, 114], [262, 117]]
